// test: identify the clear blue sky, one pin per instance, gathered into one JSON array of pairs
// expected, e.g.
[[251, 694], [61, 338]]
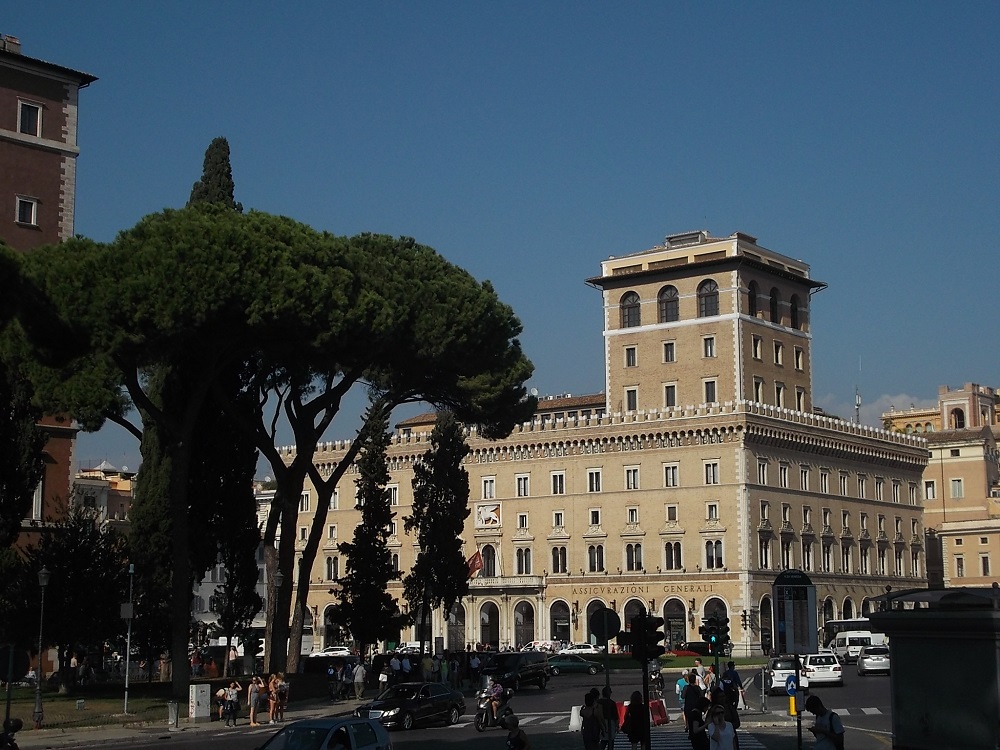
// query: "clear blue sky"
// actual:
[[527, 141]]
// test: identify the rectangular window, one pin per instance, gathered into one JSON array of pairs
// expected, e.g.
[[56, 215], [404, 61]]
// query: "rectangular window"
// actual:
[[522, 520], [845, 519], [712, 511], [670, 395], [27, 211], [863, 561], [593, 480], [672, 513], [669, 351], [800, 400], [523, 485], [799, 358], [331, 531], [709, 391], [558, 483], [806, 515], [335, 499], [671, 475], [845, 559], [558, 519], [779, 353], [879, 488], [631, 399], [957, 492], [632, 515], [960, 567], [711, 472], [783, 476], [29, 118], [756, 345], [303, 533], [862, 486], [630, 360], [762, 472], [765, 508], [786, 513], [864, 521], [393, 490], [929, 491], [779, 394], [843, 484], [304, 502], [758, 390], [984, 563], [595, 516], [632, 478], [895, 491], [824, 481], [489, 488], [912, 490], [804, 478], [708, 346]]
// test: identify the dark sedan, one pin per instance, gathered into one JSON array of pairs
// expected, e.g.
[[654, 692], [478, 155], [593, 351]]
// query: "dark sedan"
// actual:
[[410, 703], [573, 663]]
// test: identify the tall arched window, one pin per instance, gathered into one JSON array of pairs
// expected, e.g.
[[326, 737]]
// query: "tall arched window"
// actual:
[[668, 305], [672, 556], [752, 292], [595, 558], [630, 310], [713, 554], [775, 306], [795, 311], [957, 419], [489, 562], [523, 556], [558, 559], [633, 556], [708, 299], [332, 568]]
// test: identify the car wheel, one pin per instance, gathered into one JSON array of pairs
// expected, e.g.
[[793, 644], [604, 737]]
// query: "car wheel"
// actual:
[[555, 671], [407, 721], [543, 682], [591, 670], [861, 673], [454, 715]]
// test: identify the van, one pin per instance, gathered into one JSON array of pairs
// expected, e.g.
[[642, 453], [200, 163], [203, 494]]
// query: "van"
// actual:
[[512, 669], [848, 644]]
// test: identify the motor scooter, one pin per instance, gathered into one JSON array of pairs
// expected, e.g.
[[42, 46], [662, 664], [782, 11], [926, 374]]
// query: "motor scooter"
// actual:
[[484, 716], [655, 675], [10, 728]]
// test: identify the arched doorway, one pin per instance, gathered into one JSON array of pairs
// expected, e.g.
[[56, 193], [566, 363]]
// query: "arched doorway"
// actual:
[[333, 633], [524, 624], [592, 607], [848, 609], [866, 608], [674, 623], [717, 607], [766, 625], [456, 628], [422, 630], [633, 607], [559, 621], [489, 625]]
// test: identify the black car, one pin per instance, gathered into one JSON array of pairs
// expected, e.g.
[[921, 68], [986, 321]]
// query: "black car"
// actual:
[[410, 703], [512, 669]]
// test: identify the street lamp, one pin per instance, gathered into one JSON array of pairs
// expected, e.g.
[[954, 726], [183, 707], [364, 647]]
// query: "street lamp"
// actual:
[[43, 581]]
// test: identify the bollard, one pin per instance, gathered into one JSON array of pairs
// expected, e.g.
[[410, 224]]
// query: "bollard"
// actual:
[[80, 704], [172, 714], [575, 719], [792, 708]]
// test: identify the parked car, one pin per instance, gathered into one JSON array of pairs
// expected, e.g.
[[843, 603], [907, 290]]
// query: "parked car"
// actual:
[[701, 648], [332, 651], [581, 648], [410, 703], [512, 669], [873, 660], [573, 663], [779, 669], [340, 731], [822, 669]]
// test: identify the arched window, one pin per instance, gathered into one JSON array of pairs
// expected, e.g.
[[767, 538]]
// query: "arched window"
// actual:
[[775, 306], [595, 558], [523, 556], [558, 559], [794, 310], [633, 556], [957, 419], [667, 304], [713, 554], [708, 299], [752, 292], [332, 568], [672, 555], [489, 562], [395, 562], [630, 310]]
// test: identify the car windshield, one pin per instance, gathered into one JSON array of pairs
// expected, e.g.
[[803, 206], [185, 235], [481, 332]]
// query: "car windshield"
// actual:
[[298, 738], [859, 641], [876, 651], [823, 660], [783, 664], [399, 692], [500, 661]]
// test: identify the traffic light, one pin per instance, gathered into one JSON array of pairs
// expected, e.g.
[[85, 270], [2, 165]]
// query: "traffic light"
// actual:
[[710, 632], [723, 631], [634, 639], [652, 634]]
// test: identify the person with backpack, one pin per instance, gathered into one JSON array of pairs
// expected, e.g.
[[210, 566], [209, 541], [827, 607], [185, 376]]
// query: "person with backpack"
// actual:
[[828, 728], [610, 709], [732, 685]]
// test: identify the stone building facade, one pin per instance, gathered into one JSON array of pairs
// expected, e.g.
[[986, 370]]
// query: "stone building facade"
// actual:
[[699, 474]]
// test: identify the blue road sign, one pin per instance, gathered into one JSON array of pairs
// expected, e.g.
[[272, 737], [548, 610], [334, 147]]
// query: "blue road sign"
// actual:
[[790, 686]]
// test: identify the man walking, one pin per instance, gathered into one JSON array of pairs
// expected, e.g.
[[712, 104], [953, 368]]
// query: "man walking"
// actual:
[[359, 680]]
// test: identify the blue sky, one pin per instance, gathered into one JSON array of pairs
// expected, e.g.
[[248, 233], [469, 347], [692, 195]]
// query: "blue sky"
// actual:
[[527, 141]]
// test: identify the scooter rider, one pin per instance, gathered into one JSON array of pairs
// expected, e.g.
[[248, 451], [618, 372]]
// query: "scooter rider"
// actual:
[[495, 693]]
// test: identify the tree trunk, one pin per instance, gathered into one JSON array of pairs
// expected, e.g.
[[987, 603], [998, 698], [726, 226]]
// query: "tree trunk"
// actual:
[[181, 584]]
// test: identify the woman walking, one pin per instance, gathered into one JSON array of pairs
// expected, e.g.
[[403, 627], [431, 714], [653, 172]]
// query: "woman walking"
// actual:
[[721, 734], [593, 723], [636, 720]]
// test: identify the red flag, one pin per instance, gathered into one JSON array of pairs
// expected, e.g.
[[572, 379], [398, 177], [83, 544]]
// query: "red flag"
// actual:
[[475, 564]]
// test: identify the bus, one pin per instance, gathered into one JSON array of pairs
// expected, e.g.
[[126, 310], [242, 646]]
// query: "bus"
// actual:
[[832, 627]]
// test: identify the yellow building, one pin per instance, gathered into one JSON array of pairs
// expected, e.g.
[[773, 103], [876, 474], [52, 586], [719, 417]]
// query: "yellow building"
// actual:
[[699, 474], [961, 484]]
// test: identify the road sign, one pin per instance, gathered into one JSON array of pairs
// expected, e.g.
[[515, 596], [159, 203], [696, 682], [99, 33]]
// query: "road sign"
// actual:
[[604, 624], [790, 685]]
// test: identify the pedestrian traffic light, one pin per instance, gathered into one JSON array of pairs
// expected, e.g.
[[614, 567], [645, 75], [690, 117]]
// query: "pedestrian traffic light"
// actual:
[[723, 631], [652, 635], [710, 632]]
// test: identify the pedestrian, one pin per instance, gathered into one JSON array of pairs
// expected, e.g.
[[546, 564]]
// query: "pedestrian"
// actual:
[[592, 728], [474, 665], [272, 699], [636, 720], [232, 699], [233, 661], [359, 680], [699, 668], [406, 667], [516, 738], [455, 672], [721, 733], [255, 696], [427, 668], [710, 679], [828, 729], [444, 669], [610, 710], [691, 697], [333, 680], [383, 678], [732, 685], [697, 724], [282, 695], [679, 687]]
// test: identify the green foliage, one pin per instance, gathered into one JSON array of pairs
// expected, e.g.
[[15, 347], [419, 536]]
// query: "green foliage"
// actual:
[[17, 623], [21, 443], [216, 183], [440, 575], [366, 608]]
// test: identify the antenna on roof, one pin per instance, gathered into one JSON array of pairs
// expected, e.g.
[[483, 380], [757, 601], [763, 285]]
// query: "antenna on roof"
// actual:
[[857, 396]]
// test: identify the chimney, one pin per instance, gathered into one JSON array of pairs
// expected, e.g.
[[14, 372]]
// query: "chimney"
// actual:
[[10, 43]]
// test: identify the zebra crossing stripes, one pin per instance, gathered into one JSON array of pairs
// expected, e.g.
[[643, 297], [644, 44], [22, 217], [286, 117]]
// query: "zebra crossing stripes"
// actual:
[[678, 740]]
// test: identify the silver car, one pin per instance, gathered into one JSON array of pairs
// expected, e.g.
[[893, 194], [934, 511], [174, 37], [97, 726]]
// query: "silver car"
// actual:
[[873, 660], [336, 732]]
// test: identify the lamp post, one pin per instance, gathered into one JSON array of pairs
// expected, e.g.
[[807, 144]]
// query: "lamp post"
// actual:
[[128, 637], [43, 581]]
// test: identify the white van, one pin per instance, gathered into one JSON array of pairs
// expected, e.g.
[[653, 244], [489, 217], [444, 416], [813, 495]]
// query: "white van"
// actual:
[[848, 644]]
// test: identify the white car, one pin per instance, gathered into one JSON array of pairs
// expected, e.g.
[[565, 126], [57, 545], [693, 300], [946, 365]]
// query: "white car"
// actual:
[[333, 651], [581, 648], [822, 669]]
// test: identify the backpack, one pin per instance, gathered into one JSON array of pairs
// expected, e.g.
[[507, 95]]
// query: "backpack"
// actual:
[[730, 689]]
